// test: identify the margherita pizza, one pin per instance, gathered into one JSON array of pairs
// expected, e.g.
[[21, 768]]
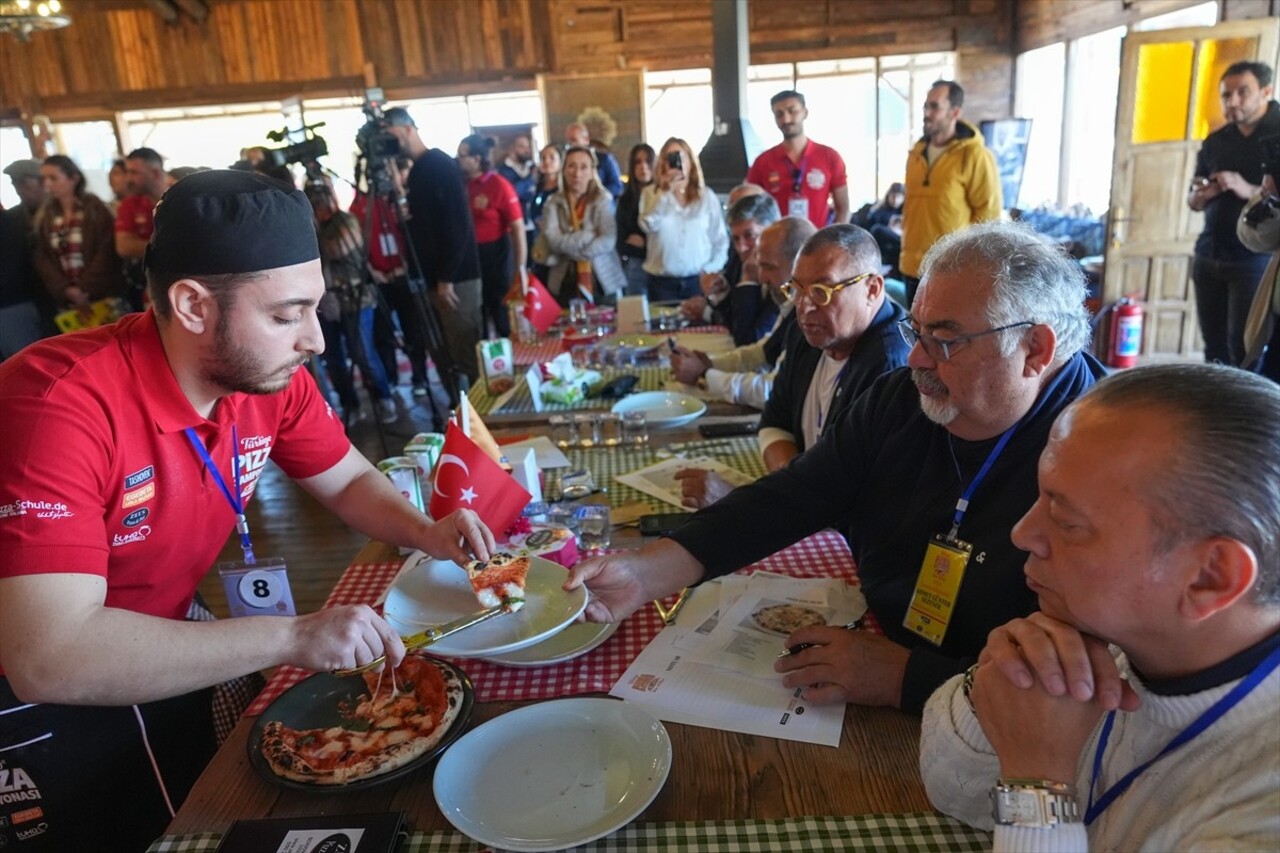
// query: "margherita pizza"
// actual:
[[785, 618], [387, 729], [499, 581]]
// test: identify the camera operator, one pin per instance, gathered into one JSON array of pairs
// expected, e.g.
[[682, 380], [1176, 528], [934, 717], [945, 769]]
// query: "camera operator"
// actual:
[[1259, 229], [443, 233]]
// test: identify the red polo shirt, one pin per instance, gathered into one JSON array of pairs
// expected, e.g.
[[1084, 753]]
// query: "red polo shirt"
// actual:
[[98, 477], [494, 206], [136, 215], [819, 171]]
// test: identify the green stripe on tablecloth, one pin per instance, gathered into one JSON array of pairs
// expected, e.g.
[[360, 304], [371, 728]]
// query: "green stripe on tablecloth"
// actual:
[[652, 378], [606, 463], [912, 833]]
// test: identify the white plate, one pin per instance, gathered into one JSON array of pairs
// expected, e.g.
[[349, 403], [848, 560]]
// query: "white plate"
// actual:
[[662, 409], [553, 775], [574, 641], [437, 591]]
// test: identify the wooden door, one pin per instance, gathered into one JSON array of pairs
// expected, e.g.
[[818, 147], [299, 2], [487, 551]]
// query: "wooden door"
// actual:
[[1168, 104]]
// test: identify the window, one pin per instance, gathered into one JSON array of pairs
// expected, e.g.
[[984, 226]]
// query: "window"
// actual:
[[13, 142], [866, 108], [1093, 67], [1039, 96], [1201, 15]]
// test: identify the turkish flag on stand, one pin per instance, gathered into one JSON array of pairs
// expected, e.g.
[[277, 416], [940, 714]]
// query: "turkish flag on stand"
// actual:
[[466, 478], [540, 307]]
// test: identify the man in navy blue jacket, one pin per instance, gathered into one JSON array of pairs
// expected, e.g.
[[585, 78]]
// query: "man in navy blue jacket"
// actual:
[[926, 474]]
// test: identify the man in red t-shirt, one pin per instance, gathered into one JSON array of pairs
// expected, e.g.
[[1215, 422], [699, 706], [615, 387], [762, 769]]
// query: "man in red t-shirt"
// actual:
[[134, 216], [799, 173], [129, 452]]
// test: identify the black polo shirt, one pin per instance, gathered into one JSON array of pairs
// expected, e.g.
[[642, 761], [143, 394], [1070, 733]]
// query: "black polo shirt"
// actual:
[[1228, 150]]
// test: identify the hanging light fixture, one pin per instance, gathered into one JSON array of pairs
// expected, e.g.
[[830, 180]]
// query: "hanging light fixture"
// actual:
[[23, 17]]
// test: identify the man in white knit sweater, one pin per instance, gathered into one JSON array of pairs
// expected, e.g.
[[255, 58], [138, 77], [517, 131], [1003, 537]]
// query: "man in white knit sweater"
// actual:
[[1157, 531]]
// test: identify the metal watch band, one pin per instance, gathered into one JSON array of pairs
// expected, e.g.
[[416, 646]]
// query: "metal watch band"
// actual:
[[1034, 803]]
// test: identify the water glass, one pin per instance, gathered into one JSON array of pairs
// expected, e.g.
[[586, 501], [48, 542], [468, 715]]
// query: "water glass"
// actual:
[[578, 312], [635, 429], [610, 429], [564, 516], [588, 430], [564, 430], [593, 519], [576, 484], [582, 355]]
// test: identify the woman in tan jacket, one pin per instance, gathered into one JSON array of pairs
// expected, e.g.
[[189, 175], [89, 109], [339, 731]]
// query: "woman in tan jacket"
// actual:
[[75, 251]]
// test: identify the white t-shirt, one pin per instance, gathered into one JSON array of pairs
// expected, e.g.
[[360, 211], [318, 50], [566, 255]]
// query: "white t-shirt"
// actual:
[[817, 400]]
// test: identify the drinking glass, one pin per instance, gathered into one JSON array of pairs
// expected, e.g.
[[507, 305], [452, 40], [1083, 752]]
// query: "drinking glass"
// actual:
[[588, 430], [576, 484], [593, 519], [564, 430], [610, 429], [635, 428], [578, 315]]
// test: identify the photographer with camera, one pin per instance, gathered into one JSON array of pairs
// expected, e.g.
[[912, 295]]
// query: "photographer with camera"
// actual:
[[443, 234], [1259, 230], [1225, 271]]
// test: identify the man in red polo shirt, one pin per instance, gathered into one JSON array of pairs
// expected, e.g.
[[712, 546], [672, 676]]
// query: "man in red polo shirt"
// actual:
[[147, 182], [799, 173], [129, 452]]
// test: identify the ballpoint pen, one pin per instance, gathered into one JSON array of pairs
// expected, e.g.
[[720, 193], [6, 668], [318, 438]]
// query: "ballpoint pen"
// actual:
[[799, 647]]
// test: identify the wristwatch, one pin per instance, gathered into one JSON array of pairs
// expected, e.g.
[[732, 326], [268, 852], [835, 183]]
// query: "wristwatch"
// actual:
[[1034, 803]]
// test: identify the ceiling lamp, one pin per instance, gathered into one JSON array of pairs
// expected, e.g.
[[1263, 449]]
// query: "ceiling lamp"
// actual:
[[23, 17]]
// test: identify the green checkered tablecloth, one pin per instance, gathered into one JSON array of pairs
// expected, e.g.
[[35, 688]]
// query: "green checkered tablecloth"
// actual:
[[898, 832], [606, 463], [652, 378]]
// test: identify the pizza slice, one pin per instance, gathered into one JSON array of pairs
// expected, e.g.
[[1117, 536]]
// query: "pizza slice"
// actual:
[[499, 581]]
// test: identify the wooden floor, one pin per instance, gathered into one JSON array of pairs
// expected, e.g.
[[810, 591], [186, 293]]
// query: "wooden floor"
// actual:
[[286, 522]]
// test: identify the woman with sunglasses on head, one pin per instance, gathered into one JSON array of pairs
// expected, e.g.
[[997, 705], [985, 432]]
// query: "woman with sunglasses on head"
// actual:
[[499, 221], [579, 227], [75, 239], [631, 237], [682, 216]]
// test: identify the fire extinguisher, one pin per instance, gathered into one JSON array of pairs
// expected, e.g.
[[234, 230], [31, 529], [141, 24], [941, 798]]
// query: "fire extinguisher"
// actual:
[[1125, 338]]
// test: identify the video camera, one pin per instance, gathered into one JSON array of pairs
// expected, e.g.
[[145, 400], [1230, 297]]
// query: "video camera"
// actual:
[[376, 144], [307, 150], [1269, 204]]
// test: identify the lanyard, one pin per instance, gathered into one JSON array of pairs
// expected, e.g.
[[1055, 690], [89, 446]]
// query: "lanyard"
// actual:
[[797, 174], [835, 391], [962, 505], [1208, 718], [233, 498]]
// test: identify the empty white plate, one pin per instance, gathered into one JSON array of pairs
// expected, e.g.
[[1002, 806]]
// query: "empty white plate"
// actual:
[[553, 775], [662, 409], [437, 591]]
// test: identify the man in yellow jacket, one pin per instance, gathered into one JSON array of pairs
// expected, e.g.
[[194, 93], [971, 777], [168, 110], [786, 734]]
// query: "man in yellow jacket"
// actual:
[[952, 180]]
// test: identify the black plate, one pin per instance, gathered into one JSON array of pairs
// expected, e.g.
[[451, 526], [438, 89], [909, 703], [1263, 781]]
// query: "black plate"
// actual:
[[314, 703]]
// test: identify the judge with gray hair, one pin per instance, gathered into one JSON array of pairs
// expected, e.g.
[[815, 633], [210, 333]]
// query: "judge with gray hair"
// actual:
[[925, 474]]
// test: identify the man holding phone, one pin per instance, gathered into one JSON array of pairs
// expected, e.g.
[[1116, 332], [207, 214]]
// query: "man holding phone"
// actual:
[[1228, 173]]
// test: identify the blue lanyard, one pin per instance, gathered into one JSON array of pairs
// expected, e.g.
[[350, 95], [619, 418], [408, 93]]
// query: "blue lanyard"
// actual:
[[233, 498], [1208, 718], [962, 505], [797, 173]]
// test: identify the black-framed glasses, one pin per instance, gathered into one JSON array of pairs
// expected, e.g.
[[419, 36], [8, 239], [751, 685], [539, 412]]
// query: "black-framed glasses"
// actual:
[[941, 349], [820, 294]]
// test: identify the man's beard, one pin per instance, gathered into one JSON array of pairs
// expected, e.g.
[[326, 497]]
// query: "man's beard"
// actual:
[[938, 409], [237, 368]]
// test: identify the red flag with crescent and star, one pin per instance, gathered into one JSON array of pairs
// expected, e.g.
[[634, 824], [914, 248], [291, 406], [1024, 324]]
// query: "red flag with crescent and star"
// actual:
[[466, 478], [540, 307]]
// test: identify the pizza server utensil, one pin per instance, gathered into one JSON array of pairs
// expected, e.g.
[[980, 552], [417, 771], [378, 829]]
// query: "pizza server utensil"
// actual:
[[429, 636]]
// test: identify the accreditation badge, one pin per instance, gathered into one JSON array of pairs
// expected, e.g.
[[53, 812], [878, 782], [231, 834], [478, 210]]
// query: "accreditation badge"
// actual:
[[798, 207], [937, 588]]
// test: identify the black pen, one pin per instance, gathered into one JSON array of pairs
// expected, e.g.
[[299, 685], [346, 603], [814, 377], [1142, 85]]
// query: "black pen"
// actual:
[[799, 647]]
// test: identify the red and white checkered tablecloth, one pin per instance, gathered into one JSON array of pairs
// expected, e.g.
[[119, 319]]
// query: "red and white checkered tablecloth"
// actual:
[[822, 555]]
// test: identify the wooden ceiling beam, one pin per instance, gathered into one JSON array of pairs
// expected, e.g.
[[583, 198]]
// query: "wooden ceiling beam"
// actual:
[[165, 9], [195, 8]]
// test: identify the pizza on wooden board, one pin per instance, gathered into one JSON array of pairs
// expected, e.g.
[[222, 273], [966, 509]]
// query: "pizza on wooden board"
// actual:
[[386, 730], [499, 581]]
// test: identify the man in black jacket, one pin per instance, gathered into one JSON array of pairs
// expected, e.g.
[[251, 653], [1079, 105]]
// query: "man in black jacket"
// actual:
[[926, 475], [444, 235]]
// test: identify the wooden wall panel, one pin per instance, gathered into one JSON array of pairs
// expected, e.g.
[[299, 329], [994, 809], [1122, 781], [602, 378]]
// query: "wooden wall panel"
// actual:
[[119, 54], [1042, 22]]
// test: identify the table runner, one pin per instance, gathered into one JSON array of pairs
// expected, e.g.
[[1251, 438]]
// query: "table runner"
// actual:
[[652, 378], [904, 832], [546, 348], [606, 463], [822, 555]]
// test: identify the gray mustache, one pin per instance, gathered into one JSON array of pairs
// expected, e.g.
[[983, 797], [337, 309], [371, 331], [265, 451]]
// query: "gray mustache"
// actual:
[[927, 380]]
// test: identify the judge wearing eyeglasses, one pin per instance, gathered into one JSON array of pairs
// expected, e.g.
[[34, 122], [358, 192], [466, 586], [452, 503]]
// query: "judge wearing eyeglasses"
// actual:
[[845, 335], [925, 474]]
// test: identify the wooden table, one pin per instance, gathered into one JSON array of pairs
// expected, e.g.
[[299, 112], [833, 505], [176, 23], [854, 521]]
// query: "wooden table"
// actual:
[[714, 775]]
